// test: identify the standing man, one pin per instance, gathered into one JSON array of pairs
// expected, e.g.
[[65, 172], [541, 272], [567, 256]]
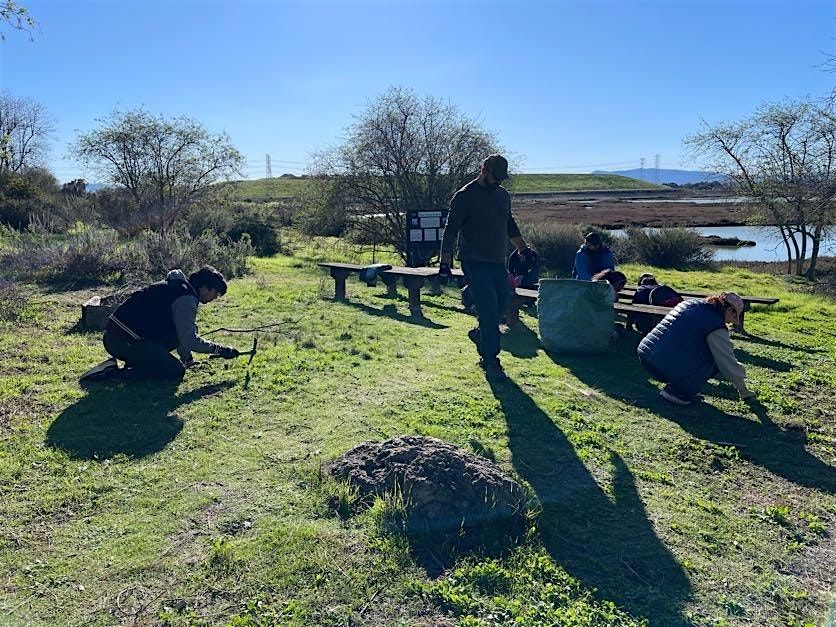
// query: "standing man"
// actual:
[[155, 320], [592, 257], [480, 215]]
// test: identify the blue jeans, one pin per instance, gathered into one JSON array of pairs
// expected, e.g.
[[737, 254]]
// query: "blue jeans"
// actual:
[[488, 285]]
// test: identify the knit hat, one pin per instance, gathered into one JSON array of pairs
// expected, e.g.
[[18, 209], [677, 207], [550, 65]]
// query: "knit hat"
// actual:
[[734, 301]]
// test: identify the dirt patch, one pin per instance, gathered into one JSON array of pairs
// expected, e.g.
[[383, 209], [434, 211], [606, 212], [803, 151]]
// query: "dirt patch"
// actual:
[[443, 486]]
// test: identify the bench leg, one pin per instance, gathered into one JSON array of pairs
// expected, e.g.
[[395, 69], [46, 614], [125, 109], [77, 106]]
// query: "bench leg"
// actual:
[[512, 316], [391, 285], [738, 328], [339, 275], [413, 285]]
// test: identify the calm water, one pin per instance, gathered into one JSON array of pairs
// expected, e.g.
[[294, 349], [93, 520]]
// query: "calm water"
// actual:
[[769, 246]]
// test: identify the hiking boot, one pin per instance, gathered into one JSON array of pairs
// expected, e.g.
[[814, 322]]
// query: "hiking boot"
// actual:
[[474, 336], [101, 371], [669, 395], [493, 369]]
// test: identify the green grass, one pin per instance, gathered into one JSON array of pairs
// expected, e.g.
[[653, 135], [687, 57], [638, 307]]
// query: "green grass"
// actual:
[[285, 187], [267, 189], [544, 183], [206, 504]]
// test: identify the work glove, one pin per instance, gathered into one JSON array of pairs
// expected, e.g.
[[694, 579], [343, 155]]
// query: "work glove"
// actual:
[[227, 352], [444, 273]]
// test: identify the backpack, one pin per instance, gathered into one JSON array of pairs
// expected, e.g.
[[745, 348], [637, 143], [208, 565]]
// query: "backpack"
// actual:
[[664, 296]]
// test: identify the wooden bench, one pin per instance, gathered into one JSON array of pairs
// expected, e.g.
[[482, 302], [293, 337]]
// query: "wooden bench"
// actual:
[[629, 290], [526, 296], [413, 280]]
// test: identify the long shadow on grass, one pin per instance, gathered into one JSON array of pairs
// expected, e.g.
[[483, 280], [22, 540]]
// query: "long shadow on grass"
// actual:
[[756, 438], [133, 419], [521, 341], [607, 542], [389, 311]]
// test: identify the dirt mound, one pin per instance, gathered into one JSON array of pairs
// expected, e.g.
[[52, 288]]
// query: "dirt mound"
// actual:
[[445, 488]]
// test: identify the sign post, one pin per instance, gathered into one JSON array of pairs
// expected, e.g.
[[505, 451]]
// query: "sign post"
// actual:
[[423, 236]]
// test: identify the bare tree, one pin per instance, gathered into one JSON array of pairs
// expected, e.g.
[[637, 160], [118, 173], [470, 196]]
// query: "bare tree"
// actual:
[[403, 153], [159, 166], [783, 159], [16, 16], [25, 127]]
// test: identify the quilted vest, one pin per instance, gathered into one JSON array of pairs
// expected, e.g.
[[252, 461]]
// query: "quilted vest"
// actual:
[[677, 346]]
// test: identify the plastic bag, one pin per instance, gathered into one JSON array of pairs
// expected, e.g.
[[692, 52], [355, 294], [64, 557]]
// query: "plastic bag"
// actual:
[[575, 316]]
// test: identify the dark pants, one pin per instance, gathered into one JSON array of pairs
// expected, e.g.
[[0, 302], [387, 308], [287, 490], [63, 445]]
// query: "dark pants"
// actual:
[[143, 359], [679, 390], [488, 285]]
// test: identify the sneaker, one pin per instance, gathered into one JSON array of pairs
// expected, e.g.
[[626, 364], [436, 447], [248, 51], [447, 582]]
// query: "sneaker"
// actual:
[[673, 398], [101, 371], [474, 336]]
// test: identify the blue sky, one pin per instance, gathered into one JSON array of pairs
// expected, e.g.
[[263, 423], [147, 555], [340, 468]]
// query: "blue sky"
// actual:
[[567, 86]]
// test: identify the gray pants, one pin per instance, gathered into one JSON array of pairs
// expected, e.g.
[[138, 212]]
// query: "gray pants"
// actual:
[[488, 286], [143, 359]]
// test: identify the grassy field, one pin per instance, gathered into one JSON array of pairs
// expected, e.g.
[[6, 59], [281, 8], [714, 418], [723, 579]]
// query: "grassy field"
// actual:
[[206, 504], [285, 187]]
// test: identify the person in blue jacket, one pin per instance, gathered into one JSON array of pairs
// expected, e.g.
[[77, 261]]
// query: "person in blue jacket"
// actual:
[[692, 344], [592, 257]]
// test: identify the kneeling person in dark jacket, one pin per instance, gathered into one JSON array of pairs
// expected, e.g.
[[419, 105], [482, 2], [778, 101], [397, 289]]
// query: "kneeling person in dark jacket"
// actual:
[[691, 345], [155, 320]]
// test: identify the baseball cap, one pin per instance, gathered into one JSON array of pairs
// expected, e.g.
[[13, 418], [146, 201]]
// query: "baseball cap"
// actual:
[[498, 165], [734, 301]]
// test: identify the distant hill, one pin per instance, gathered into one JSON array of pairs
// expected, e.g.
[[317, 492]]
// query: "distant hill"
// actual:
[[680, 177], [283, 187]]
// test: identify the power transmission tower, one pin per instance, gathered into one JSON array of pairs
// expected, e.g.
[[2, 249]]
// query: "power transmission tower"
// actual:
[[641, 175], [656, 176], [269, 168]]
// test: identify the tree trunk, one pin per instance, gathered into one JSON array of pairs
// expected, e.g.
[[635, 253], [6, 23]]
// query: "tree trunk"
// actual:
[[785, 237], [814, 254]]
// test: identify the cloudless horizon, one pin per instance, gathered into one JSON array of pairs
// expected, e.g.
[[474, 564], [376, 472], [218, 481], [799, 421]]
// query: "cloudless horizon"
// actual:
[[566, 86]]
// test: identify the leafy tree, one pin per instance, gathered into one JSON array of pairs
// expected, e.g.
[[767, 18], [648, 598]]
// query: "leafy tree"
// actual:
[[783, 159], [25, 127], [402, 153], [158, 166]]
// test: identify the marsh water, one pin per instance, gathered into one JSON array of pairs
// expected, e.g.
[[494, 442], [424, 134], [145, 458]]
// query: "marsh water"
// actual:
[[769, 246]]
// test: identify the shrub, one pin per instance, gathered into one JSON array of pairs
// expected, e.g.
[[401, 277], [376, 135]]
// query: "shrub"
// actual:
[[165, 251], [94, 256], [13, 301], [259, 221], [667, 248], [82, 258], [556, 244], [323, 210]]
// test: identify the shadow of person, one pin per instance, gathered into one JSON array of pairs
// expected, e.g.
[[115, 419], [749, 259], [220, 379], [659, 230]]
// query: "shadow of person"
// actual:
[[521, 341], [132, 419], [605, 541], [620, 376]]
